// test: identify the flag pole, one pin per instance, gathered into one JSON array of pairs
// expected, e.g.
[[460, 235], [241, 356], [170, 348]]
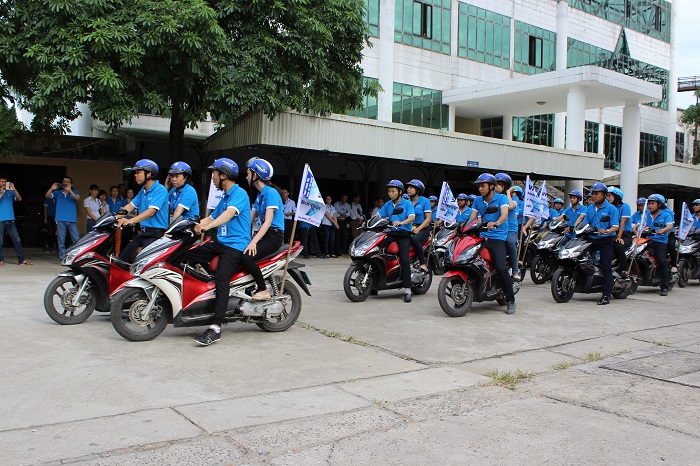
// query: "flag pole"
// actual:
[[430, 247], [289, 253]]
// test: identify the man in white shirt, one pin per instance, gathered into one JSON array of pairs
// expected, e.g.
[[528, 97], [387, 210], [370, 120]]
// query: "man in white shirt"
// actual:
[[356, 216], [343, 210], [290, 209], [92, 207]]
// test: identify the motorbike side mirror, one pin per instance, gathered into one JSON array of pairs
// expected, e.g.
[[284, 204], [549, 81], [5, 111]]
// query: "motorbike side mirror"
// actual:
[[397, 211], [605, 218], [122, 212], [491, 210], [196, 219]]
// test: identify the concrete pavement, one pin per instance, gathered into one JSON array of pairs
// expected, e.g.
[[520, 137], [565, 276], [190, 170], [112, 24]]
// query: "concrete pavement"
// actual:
[[379, 382]]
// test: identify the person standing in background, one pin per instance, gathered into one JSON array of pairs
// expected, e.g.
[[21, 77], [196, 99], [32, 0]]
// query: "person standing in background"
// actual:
[[92, 207], [290, 208], [114, 201], [66, 212], [342, 209], [357, 217], [8, 196], [50, 223]]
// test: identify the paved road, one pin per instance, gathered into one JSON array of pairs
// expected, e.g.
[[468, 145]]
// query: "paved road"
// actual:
[[382, 382]]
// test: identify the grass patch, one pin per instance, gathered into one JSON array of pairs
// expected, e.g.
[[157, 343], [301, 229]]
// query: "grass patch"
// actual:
[[565, 365], [593, 356], [659, 343], [507, 379], [355, 341]]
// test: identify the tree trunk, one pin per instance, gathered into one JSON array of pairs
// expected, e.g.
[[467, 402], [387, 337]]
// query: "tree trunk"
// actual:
[[177, 134]]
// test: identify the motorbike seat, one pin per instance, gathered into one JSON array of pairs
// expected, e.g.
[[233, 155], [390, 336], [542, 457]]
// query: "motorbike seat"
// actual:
[[393, 248], [215, 261]]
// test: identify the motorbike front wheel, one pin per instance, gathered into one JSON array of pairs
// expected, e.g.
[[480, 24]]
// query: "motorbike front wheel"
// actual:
[[58, 301], [438, 263], [127, 317], [455, 296], [683, 274], [622, 293], [292, 310], [563, 285], [540, 270], [356, 283]]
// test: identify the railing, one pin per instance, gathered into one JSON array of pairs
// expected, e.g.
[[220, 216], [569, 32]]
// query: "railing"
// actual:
[[691, 83]]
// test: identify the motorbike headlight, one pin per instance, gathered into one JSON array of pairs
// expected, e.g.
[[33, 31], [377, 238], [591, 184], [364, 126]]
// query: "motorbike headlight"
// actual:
[[467, 255], [571, 253], [364, 244], [74, 252]]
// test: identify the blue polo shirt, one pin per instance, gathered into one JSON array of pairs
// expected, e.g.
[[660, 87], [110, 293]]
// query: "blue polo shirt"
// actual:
[[636, 218], [114, 206], [408, 210], [433, 214], [421, 206], [498, 201], [664, 218], [7, 208], [157, 198], [463, 216], [593, 218], [186, 197], [236, 232], [65, 206], [573, 214], [519, 210], [270, 198], [513, 217], [624, 211], [696, 221], [50, 207]]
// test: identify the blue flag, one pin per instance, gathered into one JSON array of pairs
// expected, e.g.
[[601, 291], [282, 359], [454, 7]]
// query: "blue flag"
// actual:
[[447, 208], [310, 205]]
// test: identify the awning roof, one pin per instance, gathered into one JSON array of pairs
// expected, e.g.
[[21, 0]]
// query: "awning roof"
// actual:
[[667, 175], [547, 92]]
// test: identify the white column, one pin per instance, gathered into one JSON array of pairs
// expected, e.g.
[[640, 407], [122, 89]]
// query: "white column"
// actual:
[[575, 127], [386, 59], [507, 127], [82, 126], [451, 115], [629, 167], [454, 27], [562, 38], [601, 138], [560, 130], [673, 86]]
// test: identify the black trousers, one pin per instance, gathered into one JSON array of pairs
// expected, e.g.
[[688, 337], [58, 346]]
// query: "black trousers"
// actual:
[[229, 260], [288, 225], [671, 247], [497, 248], [268, 244], [341, 238], [309, 241], [619, 250], [659, 251], [403, 239], [141, 241], [606, 248], [417, 243]]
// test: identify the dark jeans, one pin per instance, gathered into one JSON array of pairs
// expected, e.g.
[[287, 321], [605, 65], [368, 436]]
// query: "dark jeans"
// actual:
[[671, 247], [497, 248], [606, 248], [141, 241], [659, 251], [342, 236], [90, 225], [268, 244], [512, 250], [229, 260], [328, 239], [620, 249], [403, 239], [50, 240], [309, 241], [288, 225], [417, 243], [11, 229]]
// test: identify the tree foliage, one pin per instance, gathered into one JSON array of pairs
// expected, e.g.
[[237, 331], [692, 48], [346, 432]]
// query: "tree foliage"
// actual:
[[187, 59], [691, 118]]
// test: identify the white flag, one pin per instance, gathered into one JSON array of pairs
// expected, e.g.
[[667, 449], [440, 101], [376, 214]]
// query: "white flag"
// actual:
[[447, 208], [643, 222], [531, 201], [544, 205], [310, 205], [215, 196], [686, 222]]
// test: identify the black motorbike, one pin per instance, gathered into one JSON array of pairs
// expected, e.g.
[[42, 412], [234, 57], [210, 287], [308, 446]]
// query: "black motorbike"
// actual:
[[544, 262], [579, 269], [441, 241], [689, 262]]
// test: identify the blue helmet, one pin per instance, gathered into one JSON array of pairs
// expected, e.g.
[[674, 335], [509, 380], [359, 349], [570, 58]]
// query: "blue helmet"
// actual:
[[462, 196], [472, 197], [576, 193], [616, 192], [485, 178], [406, 196], [180, 167], [599, 188], [146, 165], [518, 190], [433, 198], [641, 200], [395, 184], [505, 179], [261, 167], [696, 201], [657, 198], [558, 200], [226, 166], [418, 184]]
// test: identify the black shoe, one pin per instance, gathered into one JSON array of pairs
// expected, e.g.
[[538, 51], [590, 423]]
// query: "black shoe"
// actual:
[[510, 308], [664, 292], [373, 292], [210, 336], [407, 298], [604, 300]]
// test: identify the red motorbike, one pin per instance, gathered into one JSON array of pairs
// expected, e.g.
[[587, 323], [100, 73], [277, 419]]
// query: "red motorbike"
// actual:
[[165, 290], [375, 265], [93, 274], [470, 274]]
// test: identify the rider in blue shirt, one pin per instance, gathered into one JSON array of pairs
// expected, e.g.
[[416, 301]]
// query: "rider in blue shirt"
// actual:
[[573, 212], [433, 208], [696, 213], [497, 224], [660, 221], [623, 238], [463, 210], [423, 216], [152, 205], [604, 240], [504, 185], [636, 218], [182, 197]]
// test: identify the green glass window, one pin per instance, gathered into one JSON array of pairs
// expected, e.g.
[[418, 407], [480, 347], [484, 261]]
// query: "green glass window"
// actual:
[[484, 36], [424, 24], [612, 147], [535, 49], [369, 105], [372, 16], [535, 129], [651, 17], [680, 146], [652, 149], [418, 106], [592, 136]]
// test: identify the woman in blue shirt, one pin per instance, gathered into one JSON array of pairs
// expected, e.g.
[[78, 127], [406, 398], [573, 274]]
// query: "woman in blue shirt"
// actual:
[[623, 238], [696, 213], [268, 206]]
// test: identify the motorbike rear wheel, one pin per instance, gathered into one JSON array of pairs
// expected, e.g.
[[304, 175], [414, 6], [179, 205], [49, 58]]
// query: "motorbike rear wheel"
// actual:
[[58, 301], [623, 293], [355, 290], [563, 285], [540, 270], [291, 312], [683, 273], [127, 320], [455, 296], [425, 286]]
